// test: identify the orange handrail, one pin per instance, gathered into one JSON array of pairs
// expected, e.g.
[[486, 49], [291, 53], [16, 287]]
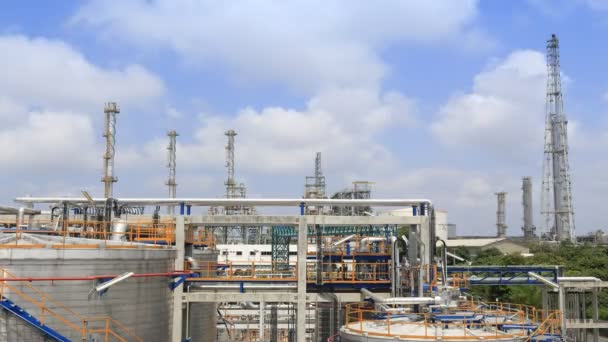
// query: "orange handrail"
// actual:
[[42, 304]]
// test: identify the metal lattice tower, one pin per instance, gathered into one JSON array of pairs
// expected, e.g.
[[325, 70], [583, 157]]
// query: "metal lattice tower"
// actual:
[[171, 164], [234, 190], [315, 186], [501, 226], [556, 206], [528, 228], [110, 110], [319, 179]]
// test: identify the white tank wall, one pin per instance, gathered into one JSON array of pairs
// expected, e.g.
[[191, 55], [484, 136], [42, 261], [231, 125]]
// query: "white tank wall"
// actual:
[[144, 305], [203, 316]]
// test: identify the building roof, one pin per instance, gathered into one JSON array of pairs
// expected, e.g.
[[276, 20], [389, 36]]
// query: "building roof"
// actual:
[[483, 242]]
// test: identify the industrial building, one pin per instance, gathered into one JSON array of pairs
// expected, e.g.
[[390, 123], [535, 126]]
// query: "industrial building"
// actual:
[[339, 268]]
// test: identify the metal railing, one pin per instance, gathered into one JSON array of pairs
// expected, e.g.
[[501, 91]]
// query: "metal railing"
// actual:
[[252, 271], [52, 309], [392, 324], [551, 325], [333, 272], [131, 234]]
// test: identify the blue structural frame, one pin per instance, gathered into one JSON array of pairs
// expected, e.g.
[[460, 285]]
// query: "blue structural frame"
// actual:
[[15, 309], [505, 275]]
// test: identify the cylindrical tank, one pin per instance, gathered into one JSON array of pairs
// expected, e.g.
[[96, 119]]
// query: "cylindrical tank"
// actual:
[[203, 316], [119, 230], [141, 304]]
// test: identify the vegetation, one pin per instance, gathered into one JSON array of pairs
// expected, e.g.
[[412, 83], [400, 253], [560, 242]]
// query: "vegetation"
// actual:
[[578, 260]]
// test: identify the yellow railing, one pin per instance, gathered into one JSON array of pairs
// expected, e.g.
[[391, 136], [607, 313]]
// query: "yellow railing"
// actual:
[[359, 314], [200, 237], [349, 272], [149, 232], [51, 309], [333, 272], [253, 271], [551, 325]]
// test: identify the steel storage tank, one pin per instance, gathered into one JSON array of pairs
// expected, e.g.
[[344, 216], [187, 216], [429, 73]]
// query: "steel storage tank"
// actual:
[[141, 304], [203, 316]]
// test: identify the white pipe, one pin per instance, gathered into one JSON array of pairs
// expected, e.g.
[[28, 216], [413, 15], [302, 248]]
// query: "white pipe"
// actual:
[[12, 210], [578, 279], [372, 239], [456, 256], [276, 202], [20, 217], [343, 240], [401, 300], [543, 280]]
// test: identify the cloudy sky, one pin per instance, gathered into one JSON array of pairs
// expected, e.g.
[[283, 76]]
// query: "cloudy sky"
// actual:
[[438, 99]]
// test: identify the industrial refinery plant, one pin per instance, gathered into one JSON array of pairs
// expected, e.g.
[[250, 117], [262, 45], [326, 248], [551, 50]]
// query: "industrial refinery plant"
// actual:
[[343, 266]]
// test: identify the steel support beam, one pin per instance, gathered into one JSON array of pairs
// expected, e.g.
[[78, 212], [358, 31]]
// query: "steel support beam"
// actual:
[[180, 243], [301, 305]]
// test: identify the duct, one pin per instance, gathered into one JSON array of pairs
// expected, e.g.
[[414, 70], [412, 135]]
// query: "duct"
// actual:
[[455, 256], [248, 286], [372, 239], [343, 240], [20, 217], [444, 261], [420, 279], [396, 276], [6, 210], [578, 279], [277, 202], [119, 230], [401, 300]]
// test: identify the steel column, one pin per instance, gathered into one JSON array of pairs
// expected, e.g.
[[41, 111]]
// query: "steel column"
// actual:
[[301, 307]]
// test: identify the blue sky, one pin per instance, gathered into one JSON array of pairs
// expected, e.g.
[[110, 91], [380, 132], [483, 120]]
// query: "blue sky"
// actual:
[[437, 99]]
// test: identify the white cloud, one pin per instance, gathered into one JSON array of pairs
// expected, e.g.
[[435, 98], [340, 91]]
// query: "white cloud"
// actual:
[[48, 139], [51, 74], [342, 123], [304, 44], [504, 111], [48, 93]]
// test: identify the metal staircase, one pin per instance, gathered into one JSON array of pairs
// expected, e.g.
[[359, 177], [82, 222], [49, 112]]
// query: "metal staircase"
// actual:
[[50, 309], [15, 309]]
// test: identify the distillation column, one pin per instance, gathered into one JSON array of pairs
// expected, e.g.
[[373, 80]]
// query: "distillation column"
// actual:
[[110, 109], [529, 229], [171, 164], [501, 226]]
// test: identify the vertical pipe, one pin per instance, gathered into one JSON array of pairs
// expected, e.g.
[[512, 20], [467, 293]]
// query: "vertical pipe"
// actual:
[[181, 208], [180, 244], [302, 208], [188, 209], [595, 314], [261, 321], [301, 307]]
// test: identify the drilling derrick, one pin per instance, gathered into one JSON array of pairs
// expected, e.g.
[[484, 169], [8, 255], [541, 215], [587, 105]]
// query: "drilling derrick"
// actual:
[[110, 110], [556, 198], [501, 226], [171, 163], [528, 228]]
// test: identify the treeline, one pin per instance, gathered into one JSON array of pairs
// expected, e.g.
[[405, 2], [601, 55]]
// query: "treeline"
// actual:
[[578, 260]]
